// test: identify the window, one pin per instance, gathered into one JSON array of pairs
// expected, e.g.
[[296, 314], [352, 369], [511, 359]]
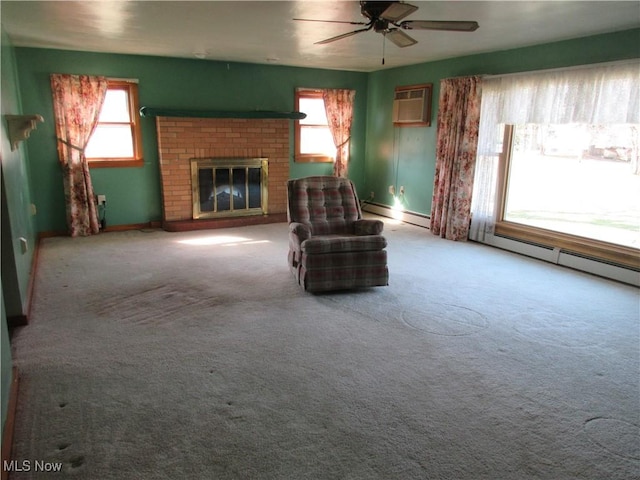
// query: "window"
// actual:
[[565, 173], [313, 140], [574, 186], [116, 141]]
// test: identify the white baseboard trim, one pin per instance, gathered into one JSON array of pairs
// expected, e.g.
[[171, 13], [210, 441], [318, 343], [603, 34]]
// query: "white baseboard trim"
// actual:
[[566, 259], [551, 255], [408, 217]]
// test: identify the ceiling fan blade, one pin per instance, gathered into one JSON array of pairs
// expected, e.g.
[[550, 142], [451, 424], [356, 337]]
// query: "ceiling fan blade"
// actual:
[[396, 11], [328, 21], [451, 25], [400, 38], [344, 35]]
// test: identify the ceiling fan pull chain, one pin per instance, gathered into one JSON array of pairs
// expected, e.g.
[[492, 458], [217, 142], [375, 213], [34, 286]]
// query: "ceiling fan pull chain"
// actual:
[[384, 37]]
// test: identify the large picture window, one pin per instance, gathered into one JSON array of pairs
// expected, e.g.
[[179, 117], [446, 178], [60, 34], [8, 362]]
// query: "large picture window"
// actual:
[[564, 173], [575, 179]]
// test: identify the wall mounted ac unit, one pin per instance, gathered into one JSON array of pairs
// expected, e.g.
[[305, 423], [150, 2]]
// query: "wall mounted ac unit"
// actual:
[[412, 106]]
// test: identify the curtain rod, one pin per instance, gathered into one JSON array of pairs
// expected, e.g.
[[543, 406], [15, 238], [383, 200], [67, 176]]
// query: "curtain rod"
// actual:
[[564, 69]]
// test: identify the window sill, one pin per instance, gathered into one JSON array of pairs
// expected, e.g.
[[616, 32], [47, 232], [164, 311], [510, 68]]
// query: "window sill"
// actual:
[[116, 163], [609, 252], [313, 159]]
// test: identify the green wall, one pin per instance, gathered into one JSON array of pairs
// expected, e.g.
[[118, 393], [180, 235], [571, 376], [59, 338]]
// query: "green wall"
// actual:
[[406, 156], [133, 194], [5, 352], [15, 217], [17, 220]]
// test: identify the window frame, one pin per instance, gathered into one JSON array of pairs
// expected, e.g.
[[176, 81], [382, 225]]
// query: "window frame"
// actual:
[[131, 87], [608, 252], [307, 157]]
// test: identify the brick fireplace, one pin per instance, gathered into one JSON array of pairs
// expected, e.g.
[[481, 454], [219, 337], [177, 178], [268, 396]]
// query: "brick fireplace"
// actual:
[[180, 140]]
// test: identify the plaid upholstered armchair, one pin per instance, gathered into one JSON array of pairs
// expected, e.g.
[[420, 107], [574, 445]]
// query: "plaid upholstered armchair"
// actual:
[[331, 247]]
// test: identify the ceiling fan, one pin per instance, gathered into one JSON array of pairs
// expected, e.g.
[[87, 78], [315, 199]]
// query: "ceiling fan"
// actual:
[[384, 17]]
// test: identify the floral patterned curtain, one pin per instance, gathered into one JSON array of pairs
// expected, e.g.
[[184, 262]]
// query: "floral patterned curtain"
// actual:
[[339, 107], [457, 140], [77, 100]]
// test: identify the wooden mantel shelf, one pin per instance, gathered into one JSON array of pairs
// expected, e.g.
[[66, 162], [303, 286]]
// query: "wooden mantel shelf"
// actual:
[[173, 112]]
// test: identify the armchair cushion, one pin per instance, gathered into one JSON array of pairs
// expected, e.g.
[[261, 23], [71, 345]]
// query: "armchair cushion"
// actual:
[[327, 204], [343, 243], [368, 227]]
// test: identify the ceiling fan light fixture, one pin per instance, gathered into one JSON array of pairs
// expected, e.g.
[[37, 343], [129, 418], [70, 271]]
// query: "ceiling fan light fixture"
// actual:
[[397, 11], [400, 38]]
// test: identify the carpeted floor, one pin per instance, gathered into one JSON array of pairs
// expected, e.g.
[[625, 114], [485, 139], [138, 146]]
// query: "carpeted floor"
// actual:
[[156, 355]]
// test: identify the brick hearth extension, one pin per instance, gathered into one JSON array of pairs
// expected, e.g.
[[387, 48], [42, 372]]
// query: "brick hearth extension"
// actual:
[[181, 139]]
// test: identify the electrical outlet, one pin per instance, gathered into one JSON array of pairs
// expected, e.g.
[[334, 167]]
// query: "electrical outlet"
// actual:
[[401, 190], [372, 195], [102, 199], [34, 210], [392, 190]]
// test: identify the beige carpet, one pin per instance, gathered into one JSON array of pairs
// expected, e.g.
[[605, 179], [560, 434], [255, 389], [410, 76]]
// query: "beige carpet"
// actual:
[[156, 355]]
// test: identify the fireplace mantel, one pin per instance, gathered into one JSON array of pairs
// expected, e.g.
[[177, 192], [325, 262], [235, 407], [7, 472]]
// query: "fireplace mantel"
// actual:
[[172, 112]]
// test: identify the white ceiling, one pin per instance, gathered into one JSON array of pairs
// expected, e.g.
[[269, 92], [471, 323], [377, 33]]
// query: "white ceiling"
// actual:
[[265, 32]]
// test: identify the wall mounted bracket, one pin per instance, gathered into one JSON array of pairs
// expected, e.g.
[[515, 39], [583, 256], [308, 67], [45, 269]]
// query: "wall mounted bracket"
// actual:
[[20, 127]]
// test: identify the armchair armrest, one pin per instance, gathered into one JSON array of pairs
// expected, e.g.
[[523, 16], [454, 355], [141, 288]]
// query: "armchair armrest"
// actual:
[[300, 230], [366, 226]]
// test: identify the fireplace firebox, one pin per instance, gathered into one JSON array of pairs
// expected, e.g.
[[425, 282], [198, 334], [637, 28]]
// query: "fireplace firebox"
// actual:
[[225, 187]]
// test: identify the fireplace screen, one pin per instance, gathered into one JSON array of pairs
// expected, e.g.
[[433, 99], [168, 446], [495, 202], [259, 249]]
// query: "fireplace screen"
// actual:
[[229, 187]]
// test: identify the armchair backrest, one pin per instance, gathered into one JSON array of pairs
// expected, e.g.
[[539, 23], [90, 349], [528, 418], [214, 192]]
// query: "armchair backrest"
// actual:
[[329, 205]]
